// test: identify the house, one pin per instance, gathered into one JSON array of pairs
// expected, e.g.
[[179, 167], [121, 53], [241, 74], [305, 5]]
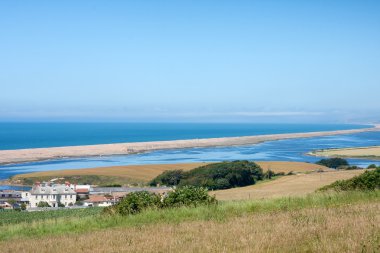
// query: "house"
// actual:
[[53, 194], [18, 197], [99, 200], [83, 193]]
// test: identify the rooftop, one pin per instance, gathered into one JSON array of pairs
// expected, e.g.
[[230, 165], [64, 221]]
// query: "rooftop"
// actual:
[[52, 189]]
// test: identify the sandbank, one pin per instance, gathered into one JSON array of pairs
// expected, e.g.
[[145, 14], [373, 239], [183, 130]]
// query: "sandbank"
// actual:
[[39, 154]]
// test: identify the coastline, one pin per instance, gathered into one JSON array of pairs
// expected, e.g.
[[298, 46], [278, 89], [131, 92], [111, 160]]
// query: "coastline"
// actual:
[[41, 154]]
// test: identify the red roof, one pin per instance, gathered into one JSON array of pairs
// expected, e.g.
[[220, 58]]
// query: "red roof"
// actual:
[[81, 190], [97, 198]]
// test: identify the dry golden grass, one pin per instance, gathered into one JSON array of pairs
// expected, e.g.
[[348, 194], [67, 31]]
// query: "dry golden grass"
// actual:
[[138, 172], [294, 185], [279, 166], [373, 152], [148, 172], [351, 228]]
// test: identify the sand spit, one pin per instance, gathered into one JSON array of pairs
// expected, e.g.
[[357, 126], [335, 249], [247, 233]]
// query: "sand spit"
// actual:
[[39, 154]]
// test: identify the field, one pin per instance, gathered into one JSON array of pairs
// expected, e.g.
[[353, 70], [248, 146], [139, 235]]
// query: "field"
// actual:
[[294, 185], [333, 222], [12, 217], [141, 174], [362, 152]]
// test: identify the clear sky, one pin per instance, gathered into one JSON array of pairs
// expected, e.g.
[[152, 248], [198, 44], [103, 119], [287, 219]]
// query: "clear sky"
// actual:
[[250, 61]]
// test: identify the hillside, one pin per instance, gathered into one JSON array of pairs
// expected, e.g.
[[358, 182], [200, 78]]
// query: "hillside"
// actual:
[[339, 222], [141, 174], [294, 185]]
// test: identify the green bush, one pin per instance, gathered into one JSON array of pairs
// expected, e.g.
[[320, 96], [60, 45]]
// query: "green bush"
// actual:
[[188, 196], [23, 206], [333, 162], [43, 204], [135, 202], [369, 180], [353, 167], [372, 166]]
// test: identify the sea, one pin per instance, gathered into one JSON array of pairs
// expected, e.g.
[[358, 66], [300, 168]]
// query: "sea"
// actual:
[[35, 135]]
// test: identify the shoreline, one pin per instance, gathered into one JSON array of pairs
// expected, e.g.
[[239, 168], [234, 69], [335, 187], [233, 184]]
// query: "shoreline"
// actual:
[[8, 157]]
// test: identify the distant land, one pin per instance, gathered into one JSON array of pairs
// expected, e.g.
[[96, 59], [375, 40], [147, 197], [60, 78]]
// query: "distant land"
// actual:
[[357, 152], [39, 154]]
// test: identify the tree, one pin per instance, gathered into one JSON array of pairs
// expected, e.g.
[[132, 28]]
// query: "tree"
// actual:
[[333, 162], [169, 177], [269, 174], [11, 201], [372, 166]]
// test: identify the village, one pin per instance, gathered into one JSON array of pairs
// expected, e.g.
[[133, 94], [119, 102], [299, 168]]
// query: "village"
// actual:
[[51, 196]]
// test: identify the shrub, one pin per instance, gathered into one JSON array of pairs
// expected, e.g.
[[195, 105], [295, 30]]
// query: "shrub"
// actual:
[[353, 167], [333, 162], [43, 204], [135, 202], [369, 180], [23, 206], [188, 196], [169, 177]]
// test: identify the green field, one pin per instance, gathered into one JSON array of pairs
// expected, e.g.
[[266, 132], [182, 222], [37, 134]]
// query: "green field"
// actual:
[[15, 217]]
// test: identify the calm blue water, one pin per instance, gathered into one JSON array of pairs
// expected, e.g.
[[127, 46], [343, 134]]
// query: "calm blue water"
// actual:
[[282, 150], [16, 188], [35, 135]]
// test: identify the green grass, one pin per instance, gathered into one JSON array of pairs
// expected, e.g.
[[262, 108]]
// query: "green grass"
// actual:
[[221, 212], [15, 217]]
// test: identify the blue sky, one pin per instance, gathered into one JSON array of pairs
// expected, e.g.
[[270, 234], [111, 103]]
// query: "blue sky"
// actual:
[[248, 61]]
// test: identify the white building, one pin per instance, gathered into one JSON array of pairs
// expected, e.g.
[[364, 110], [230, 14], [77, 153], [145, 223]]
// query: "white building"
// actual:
[[52, 194]]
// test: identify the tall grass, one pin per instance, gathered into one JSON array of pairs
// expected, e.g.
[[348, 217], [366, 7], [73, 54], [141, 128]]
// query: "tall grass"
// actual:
[[219, 213]]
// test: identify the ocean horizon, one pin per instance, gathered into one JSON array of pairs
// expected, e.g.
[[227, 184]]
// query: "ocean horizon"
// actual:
[[21, 135]]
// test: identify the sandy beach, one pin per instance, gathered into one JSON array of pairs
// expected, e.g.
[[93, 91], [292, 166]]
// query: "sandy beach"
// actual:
[[39, 154]]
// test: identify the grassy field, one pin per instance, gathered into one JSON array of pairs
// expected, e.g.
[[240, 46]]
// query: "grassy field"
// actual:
[[294, 185], [140, 174], [14, 217], [362, 152], [333, 222]]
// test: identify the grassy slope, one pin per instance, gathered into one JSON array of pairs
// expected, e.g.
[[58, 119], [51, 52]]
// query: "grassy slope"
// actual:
[[294, 185], [144, 173], [334, 222]]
